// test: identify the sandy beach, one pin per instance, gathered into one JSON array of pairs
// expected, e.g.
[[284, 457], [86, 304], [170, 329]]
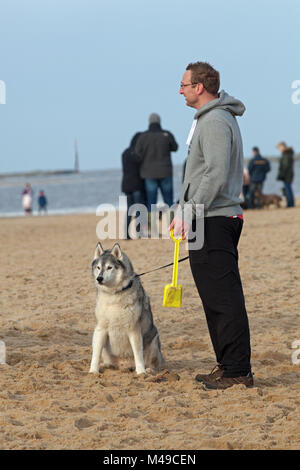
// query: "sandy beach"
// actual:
[[48, 400]]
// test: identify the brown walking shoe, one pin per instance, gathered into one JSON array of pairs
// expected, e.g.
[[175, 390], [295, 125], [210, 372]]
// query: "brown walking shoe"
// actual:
[[221, 383], [216, 372]]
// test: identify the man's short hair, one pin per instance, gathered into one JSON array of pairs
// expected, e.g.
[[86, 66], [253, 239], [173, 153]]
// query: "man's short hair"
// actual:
[[203, 72], [154, 118], [281, 144], [255, 149]]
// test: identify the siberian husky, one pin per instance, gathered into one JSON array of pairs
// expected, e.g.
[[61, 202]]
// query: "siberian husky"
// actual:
[[124, 322]]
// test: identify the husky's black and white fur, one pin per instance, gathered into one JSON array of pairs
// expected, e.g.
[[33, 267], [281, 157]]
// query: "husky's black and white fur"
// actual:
[[124, 318]]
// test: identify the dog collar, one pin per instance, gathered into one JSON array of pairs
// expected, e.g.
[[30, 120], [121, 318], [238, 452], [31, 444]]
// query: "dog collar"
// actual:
[[127, 287]]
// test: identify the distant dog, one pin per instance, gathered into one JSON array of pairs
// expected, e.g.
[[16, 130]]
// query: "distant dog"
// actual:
[[124, 325], [266, 200]]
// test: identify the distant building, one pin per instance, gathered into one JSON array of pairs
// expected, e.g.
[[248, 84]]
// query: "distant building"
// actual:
[[76, 162]]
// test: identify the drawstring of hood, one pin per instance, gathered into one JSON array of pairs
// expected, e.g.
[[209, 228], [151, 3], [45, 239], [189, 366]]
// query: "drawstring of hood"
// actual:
[[224, 101]]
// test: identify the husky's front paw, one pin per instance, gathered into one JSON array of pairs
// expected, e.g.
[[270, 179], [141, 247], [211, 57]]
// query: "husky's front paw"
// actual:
[[93, 371], [140, 371]]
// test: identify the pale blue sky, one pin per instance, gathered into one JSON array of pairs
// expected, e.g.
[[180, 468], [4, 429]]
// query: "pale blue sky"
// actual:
[[95, 70]]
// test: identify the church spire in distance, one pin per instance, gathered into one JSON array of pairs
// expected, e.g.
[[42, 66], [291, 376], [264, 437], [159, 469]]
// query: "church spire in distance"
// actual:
[[76, 161]]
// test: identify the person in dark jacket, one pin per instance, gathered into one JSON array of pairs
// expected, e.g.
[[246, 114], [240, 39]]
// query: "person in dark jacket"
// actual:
[[132, 183], [42, 201], [258, 168], [286, 172], [153, 150]]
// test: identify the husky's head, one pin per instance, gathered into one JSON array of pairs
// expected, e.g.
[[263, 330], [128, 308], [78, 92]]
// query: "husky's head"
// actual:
[[112, 269]]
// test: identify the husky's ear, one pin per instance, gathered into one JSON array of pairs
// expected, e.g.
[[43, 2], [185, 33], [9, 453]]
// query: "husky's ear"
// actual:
[[98, 252], [116, 251]]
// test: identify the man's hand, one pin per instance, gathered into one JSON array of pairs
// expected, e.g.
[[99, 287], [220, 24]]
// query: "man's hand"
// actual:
[[181, 228]]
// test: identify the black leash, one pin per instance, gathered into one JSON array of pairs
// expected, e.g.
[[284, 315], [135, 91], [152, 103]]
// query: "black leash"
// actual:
[[161, 267]]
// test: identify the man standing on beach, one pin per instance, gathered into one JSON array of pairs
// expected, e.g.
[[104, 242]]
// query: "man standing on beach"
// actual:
[[258, 168], [286, 172], [214, 178], [153, 152]]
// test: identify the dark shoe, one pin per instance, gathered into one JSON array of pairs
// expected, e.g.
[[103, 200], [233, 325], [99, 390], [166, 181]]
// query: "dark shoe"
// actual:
[[221, 383], [214, 374]]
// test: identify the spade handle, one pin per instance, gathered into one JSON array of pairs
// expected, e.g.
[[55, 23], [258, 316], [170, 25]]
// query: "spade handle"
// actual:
[[176, 255]]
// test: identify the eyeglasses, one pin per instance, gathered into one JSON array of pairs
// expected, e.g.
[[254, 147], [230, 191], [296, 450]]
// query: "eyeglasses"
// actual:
[[182, 85]]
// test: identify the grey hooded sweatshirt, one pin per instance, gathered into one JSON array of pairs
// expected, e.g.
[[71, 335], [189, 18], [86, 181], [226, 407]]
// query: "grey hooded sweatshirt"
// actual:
[[214, 168]]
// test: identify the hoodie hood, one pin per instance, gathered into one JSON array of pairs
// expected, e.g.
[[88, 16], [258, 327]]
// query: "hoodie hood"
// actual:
[[224, 101]]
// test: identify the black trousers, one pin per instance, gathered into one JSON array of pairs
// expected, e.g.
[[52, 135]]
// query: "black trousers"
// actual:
[[217, 278]]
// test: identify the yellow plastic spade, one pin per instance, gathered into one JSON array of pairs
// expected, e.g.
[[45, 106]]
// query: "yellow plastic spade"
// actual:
[[173, 292]]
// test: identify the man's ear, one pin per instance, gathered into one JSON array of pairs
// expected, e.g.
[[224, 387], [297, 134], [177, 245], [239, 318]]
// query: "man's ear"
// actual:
[[199, 89], [98, 252], [116, 251]]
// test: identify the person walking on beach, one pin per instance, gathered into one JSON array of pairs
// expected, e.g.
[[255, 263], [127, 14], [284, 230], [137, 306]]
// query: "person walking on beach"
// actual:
[[258, 168], [153, 152], [27, 199], [132, 183], [42, 202], [214, 177], [286, 172]]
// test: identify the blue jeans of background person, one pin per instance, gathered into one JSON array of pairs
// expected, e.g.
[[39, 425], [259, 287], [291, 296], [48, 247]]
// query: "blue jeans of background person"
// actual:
[[252, 190], [136, 197], [166, 187], [289, 195]]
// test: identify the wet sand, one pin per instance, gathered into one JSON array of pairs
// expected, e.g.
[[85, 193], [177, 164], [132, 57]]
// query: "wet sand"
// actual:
[[48, 400]]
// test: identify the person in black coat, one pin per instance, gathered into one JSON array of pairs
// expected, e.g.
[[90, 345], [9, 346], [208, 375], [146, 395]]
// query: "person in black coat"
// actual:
[[286, 172], [153, 151], [132, 183]]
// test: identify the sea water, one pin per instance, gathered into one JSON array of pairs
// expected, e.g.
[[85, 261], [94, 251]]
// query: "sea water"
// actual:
[[85, 191]]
